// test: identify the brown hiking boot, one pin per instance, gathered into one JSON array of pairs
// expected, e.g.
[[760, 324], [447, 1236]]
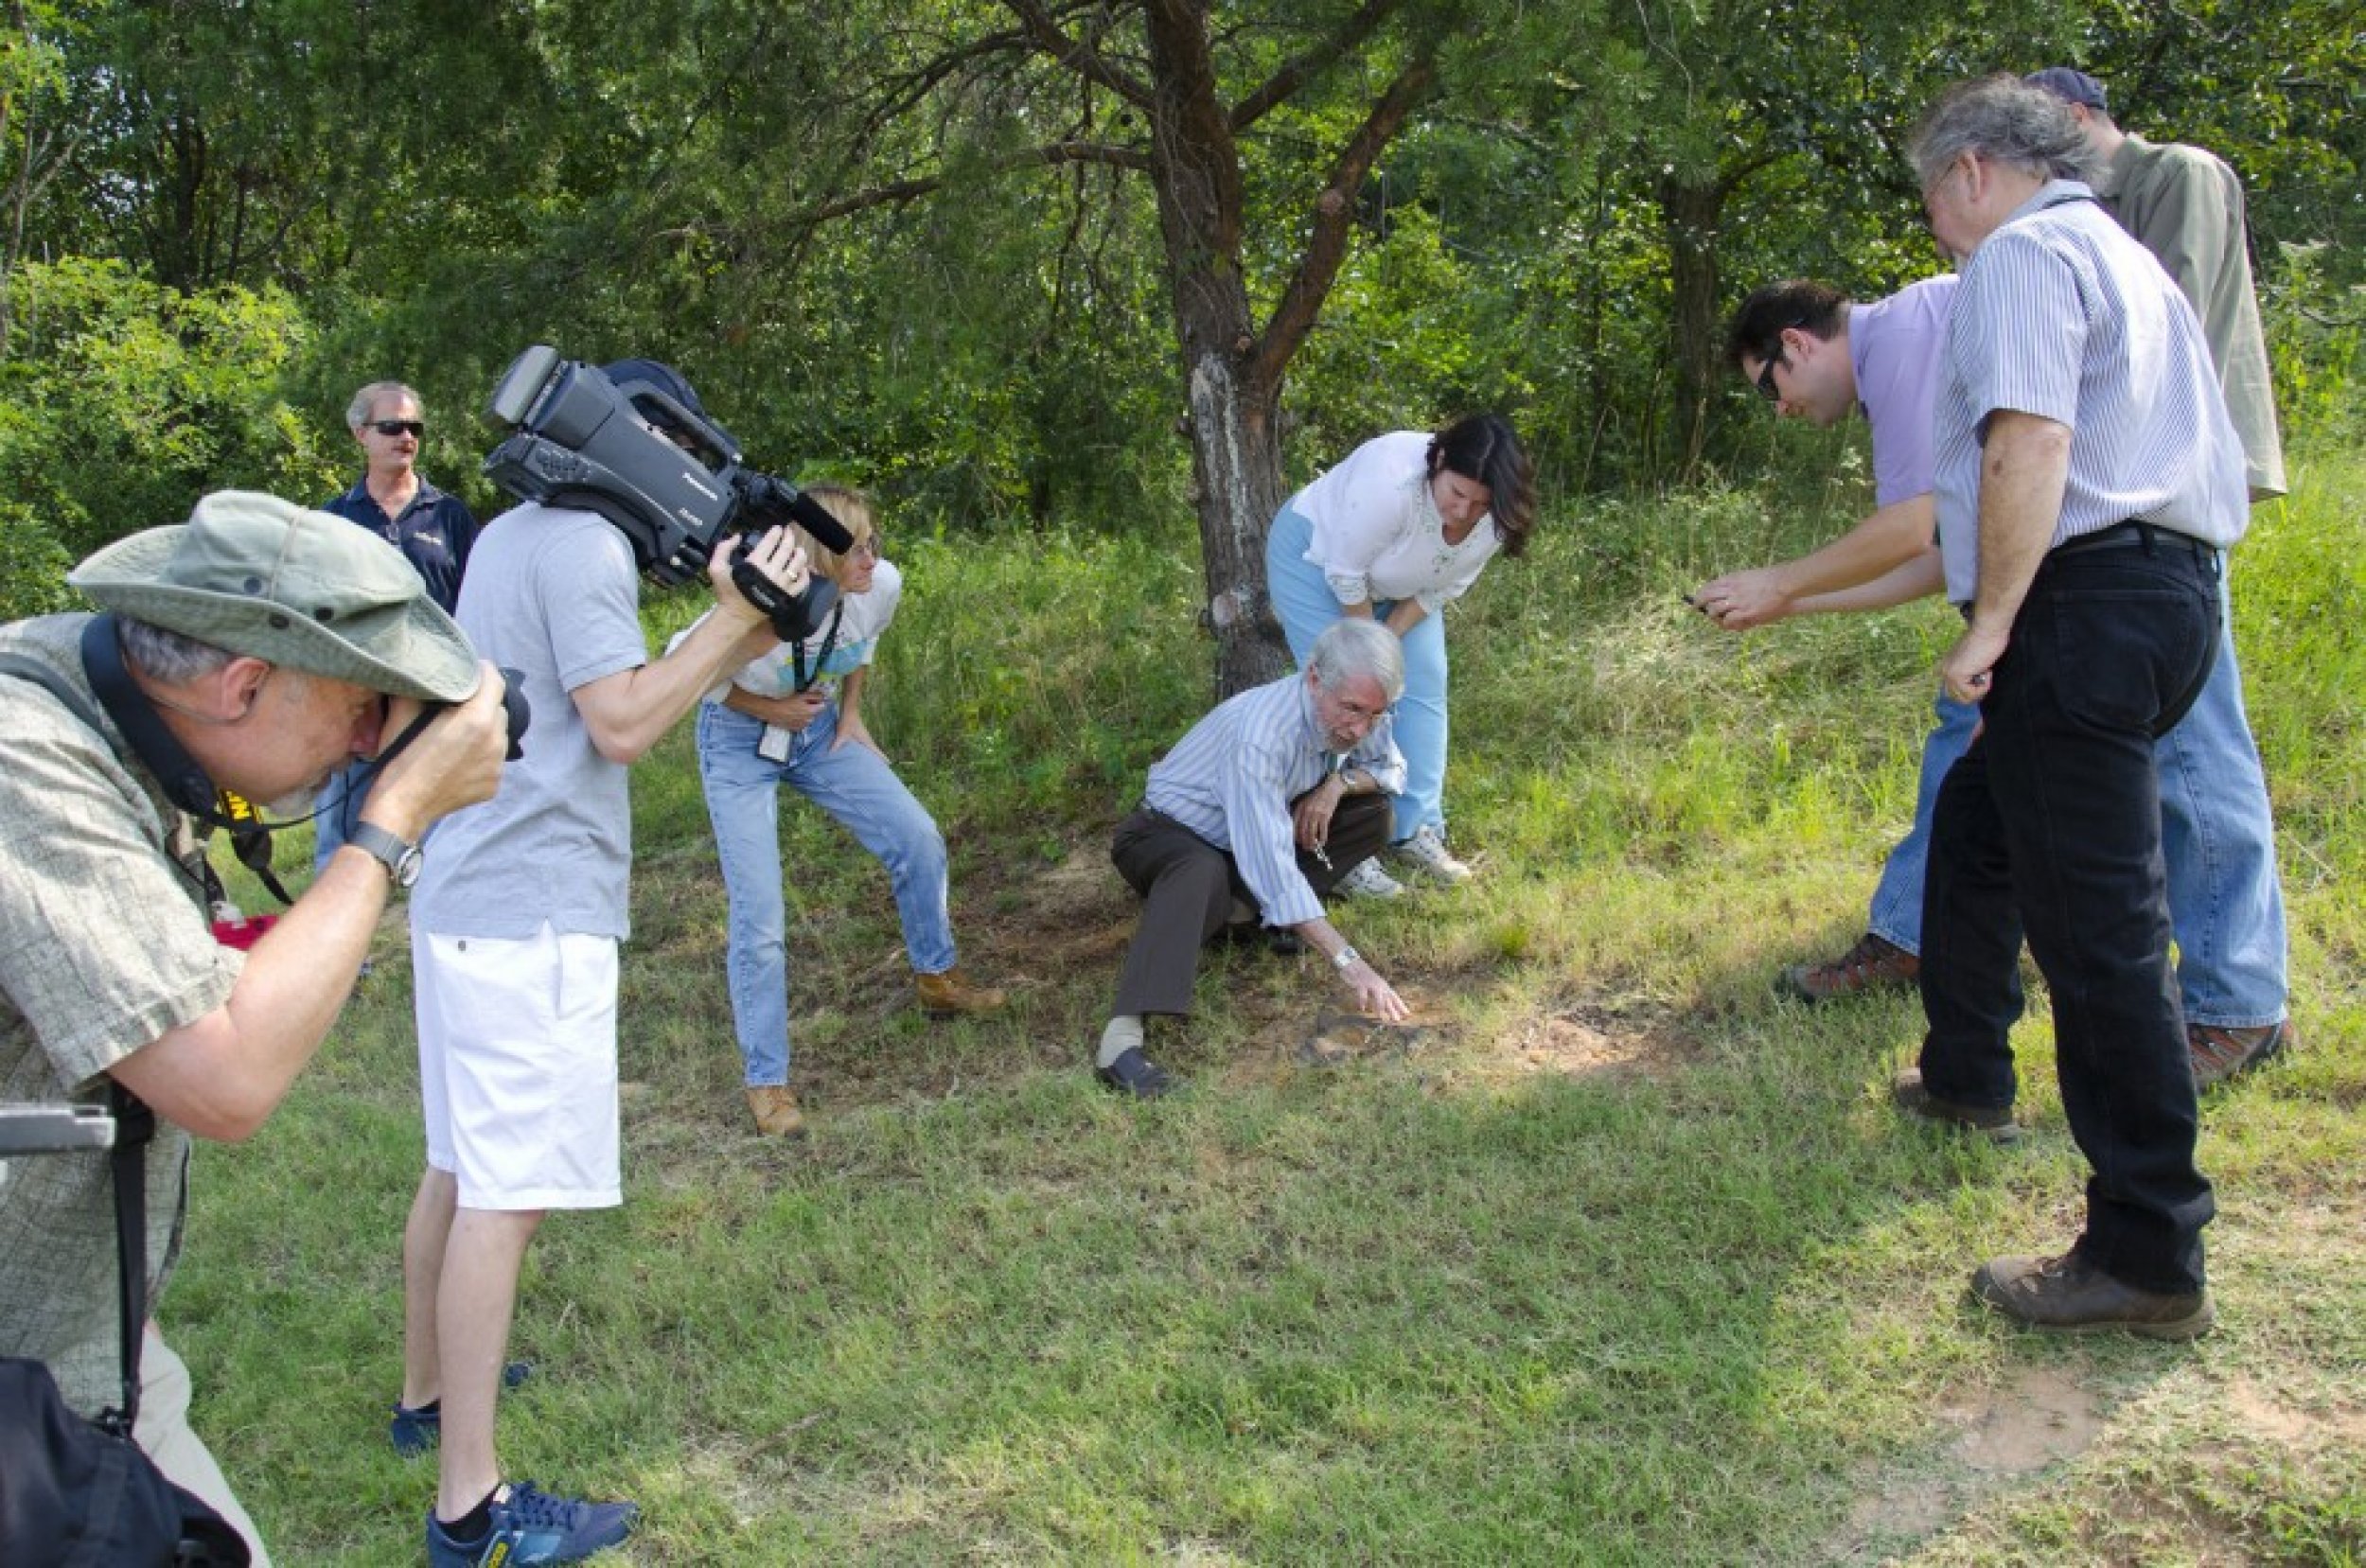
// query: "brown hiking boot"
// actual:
[[776, 1113], [1907, 1095], [2072, 1296], [2219, 1051], [952, 994], [1874, 963]]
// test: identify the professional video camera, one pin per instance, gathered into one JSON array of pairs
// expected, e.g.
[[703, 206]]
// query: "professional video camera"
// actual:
[[631, 442]]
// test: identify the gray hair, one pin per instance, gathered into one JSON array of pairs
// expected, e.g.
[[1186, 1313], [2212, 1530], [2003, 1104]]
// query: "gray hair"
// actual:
[[2005, 119], [359, 412], [167, 655], [1355, 647]]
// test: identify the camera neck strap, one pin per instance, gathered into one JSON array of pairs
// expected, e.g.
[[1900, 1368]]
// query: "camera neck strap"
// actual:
[[186, 785], [136, 1128], [829, 645]]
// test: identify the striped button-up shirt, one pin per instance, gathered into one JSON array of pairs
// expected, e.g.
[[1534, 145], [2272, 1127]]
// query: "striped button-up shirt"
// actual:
[[2062, 315], [1231, 781]]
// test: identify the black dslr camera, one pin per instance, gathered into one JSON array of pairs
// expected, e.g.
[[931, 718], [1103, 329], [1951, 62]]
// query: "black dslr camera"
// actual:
[[631, 442]]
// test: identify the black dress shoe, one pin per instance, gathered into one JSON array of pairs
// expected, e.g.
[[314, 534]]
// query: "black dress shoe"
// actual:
[[1280, 941], [1135, 1074]]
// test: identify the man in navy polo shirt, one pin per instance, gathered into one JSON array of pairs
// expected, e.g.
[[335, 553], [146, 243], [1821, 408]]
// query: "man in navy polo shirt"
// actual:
[[393, 500]]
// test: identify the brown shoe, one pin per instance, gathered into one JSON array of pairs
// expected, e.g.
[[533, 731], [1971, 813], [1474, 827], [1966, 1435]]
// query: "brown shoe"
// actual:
[[776, 1113], [1907, 1095], [951, 995], [2218, 1051], [1872, 965], [2071, 1294]]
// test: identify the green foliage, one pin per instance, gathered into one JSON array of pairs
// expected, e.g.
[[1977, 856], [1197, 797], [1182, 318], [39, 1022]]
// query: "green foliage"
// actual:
[[2315, 306], [121, 402]]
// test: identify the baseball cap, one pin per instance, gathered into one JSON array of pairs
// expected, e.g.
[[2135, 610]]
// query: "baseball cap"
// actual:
[[2070, 86]]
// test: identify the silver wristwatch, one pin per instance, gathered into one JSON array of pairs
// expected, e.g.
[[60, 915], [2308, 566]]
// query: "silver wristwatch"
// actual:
[[400, 859]]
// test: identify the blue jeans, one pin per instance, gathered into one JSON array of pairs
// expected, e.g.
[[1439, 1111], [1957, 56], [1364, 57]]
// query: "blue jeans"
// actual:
[[2216, 833], [2050, 826], [859, 789], [1303, 601], [340, 808]]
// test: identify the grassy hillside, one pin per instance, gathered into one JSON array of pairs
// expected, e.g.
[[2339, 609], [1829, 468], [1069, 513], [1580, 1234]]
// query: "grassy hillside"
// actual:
[[1615, 1259]]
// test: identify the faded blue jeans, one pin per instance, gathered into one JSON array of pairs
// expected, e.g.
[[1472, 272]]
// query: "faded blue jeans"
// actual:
[[855, 785], [2216, 833], [1303, 602]]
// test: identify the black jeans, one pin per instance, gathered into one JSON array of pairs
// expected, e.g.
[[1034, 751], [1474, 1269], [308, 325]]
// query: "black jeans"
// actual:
[[2050, 826]]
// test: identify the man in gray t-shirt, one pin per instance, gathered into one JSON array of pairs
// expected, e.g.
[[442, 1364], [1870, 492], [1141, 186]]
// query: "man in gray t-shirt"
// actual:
[[514, 926]]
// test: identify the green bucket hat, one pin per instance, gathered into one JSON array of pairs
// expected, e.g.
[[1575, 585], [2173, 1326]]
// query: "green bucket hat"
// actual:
[[262, 577]]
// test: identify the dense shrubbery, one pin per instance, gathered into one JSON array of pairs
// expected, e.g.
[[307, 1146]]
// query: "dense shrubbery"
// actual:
[[121, 402]]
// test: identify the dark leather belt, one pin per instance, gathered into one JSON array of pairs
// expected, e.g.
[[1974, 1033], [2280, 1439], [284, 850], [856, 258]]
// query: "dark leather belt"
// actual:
[[2131, 535]]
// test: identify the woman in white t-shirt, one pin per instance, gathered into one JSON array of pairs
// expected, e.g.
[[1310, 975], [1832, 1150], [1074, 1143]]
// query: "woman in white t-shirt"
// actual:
[[794, 718], [1400, 528]]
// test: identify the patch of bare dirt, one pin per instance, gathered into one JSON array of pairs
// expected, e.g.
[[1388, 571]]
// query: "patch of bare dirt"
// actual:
[[2037, 1416], [1048, 927], [1596, 1038]]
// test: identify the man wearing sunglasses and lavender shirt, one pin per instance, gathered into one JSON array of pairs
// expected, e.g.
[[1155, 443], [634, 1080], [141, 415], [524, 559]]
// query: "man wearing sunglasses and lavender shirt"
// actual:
[[433, 529]]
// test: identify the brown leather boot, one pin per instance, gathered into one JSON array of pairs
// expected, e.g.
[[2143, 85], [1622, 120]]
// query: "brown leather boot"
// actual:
[[952, 994], [776, 1113]]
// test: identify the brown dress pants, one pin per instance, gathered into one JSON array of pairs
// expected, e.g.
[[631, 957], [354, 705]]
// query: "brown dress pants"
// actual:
[[1187, 886]]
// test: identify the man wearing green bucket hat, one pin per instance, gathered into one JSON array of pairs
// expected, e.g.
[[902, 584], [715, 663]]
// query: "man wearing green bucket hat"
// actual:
[[252, 651]]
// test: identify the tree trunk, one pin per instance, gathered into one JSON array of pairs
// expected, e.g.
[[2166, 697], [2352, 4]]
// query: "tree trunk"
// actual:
[[1691, 210], [1233, 398]]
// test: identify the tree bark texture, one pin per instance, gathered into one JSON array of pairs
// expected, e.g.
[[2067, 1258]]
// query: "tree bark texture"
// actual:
[[1690, 209], [1232, 391]]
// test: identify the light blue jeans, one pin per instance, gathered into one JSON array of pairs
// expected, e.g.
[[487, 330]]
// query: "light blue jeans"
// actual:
[[855, 785], [1305, 605], [2217, 834]]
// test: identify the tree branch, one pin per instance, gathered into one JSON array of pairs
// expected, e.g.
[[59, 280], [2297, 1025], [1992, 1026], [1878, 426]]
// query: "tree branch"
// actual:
[[1082, 59], [1295, 72], [1335, 211], [1050, 154]]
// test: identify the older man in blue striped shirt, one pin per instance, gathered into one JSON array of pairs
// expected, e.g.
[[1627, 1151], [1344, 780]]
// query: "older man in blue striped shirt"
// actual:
[[2088, 476], [1254, 816]]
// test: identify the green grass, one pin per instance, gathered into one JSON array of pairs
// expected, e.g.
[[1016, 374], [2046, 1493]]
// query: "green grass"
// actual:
[[1618, 1261]]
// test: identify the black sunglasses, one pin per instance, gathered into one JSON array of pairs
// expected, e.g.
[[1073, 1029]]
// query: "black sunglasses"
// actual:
[[415, 428], [1767, 389]]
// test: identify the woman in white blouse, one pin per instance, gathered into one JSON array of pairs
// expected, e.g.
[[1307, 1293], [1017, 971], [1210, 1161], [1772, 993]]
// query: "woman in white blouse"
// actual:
[[1400, 528]]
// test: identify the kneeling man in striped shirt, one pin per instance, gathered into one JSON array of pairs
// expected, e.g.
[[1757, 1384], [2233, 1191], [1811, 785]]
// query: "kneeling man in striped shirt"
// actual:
[[1255, 815]]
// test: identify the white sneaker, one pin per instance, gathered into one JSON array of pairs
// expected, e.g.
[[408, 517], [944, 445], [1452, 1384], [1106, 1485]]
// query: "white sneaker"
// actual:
[[1368, 881], [1426, 852]]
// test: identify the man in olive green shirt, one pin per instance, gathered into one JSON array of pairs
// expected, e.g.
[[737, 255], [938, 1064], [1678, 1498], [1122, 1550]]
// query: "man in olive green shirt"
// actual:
[[2185, 206], [255, 650]]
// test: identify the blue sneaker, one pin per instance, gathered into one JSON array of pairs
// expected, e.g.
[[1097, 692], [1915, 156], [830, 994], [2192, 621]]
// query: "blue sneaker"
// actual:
[[532, 1527], [416, 1429]]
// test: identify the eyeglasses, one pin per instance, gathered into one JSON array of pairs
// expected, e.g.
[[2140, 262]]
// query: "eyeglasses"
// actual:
[[1767, 389], [415, 428]]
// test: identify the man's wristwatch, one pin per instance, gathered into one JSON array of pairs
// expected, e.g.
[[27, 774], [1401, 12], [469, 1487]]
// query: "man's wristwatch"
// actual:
[[1346, 958], [400, 859]]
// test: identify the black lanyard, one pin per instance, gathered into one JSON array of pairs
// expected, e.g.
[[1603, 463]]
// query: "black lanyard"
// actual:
[[829, 645]]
